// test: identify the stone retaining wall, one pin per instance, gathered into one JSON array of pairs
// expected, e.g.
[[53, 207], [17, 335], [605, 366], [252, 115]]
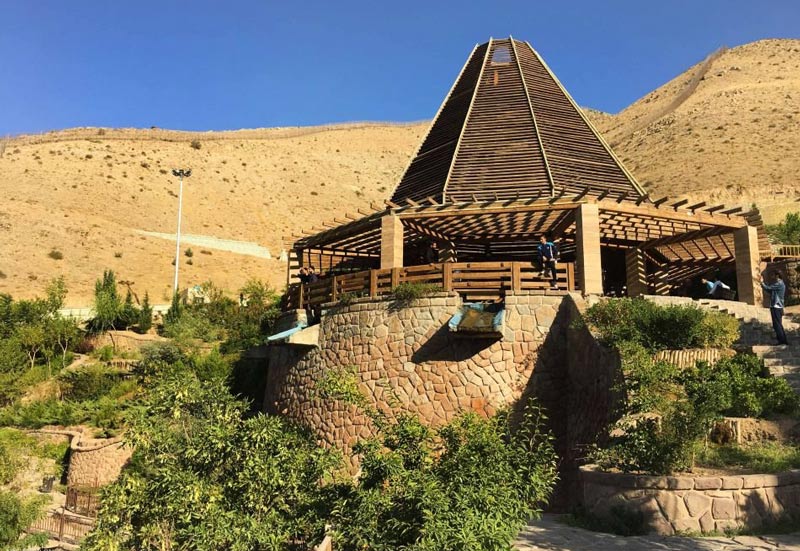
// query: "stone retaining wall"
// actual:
[[685, 503], [406, 360], [97, 462]]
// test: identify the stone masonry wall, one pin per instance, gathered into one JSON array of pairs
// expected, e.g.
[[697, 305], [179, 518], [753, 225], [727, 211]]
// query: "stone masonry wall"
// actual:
[[96, 462], [695, 504], [407, 360]]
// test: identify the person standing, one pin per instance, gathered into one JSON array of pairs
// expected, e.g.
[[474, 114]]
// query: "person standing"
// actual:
[[548, 256], [777, 292]]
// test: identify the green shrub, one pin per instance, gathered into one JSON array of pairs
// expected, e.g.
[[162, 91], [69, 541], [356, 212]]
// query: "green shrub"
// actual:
[[16, 515], [55, 254], [89, 383], [740, 388], [409, 291], [469, 485], [245, 482], [189, 253], [660, 327]]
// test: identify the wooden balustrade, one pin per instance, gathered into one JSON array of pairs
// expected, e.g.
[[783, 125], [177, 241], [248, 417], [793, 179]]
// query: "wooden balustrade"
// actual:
[[473, 280], [785, 251]]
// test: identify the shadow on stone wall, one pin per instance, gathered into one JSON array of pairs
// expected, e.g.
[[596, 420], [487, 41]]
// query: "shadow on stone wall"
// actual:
[[445, 346]]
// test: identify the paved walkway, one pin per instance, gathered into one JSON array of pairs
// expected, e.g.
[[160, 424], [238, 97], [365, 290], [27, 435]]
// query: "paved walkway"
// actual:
[[547, 534]]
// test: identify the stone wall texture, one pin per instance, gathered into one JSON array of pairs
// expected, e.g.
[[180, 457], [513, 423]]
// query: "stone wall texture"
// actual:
[[672, 504], [406, 360], [96, 462]]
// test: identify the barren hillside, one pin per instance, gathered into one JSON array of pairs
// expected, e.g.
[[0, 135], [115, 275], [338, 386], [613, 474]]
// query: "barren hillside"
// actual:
[[88, 194], [726, 130]]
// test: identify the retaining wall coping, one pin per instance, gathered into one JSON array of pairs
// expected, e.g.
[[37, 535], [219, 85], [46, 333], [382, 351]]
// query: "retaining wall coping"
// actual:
[[592, 474]]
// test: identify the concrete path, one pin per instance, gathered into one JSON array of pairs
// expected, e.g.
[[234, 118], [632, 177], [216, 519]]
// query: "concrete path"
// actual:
[[240, 247], [547, 534]]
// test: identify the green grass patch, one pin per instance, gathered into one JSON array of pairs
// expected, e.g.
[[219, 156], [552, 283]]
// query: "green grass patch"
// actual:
[[770, 457]]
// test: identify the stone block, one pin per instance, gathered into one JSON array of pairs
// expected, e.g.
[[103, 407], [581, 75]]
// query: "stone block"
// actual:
[[707, 483], [732, 482], [707, 523], [697, 504], [686, 525], [723, 508], [673, 506]]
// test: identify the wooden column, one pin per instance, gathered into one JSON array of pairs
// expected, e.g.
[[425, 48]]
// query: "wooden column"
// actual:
[[391, 242], [587, 240], [745, 246], [635, 273]]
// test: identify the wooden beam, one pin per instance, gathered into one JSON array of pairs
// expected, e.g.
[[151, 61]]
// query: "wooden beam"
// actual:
[[658, 202]]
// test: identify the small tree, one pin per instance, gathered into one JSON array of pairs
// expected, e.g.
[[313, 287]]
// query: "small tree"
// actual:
[[107, 305], [145, 315], [129, 314], [32, 340]]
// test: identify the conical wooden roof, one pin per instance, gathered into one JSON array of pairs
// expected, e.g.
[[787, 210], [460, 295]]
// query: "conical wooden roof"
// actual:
[[508, 129]]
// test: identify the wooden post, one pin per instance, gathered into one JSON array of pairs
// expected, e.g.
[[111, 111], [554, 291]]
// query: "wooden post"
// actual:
[[635, 273], [587, 238], [745, 245], [395, 277], [447, 276], [391, 242], [334, 290], [373, 283], [570, 276], [516, 276]]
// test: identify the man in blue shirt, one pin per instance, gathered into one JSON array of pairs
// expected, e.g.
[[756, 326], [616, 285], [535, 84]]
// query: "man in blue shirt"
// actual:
[[548, 256], [777, 290]]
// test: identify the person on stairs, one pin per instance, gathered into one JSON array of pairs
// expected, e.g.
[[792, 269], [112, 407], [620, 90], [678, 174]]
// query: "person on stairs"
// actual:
[[777, 290]]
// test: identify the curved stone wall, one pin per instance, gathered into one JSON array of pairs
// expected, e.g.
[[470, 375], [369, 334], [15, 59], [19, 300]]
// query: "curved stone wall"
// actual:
[[694, 504], [96, 462], [406, 360]]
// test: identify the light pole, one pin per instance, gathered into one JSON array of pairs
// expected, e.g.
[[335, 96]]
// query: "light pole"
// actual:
[[180, 173]]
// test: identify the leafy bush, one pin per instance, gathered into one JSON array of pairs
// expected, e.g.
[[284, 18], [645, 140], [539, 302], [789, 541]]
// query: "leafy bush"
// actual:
[[189, 253], [205, 477], [55, 254], [787, 232], [195, 144], [469, 485], [88, 383], [409, 291], [16, 515], [740, 388], [666, 410], [661, 327]]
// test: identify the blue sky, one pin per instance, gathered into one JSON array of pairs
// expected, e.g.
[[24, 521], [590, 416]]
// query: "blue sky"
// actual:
[[211, 65]]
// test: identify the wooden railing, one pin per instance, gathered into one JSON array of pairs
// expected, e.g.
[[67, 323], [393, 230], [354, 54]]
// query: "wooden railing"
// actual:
[[785, 251], [473, 280], [62, 527]]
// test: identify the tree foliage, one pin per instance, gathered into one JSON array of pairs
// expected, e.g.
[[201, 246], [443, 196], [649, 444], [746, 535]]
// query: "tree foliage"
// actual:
[[786, 232], [205, 477]]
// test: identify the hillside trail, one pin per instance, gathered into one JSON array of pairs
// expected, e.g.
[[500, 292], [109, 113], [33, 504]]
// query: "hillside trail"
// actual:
[[240, 247]]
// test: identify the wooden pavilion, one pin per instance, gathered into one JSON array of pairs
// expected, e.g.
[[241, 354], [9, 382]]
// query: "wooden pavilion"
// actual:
[[509, 157]]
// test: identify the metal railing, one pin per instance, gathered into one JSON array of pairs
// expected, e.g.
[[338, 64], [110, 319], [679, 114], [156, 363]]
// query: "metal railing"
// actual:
[[473, 280]]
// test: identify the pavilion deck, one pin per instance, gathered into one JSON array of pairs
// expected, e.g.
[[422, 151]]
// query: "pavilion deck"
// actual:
[[474, 281]]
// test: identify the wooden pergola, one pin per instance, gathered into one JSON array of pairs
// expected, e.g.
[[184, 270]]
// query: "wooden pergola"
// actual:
[[510, 157]]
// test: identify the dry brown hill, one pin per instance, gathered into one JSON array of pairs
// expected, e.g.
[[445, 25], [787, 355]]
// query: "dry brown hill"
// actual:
[[88, 193], [725, 130]]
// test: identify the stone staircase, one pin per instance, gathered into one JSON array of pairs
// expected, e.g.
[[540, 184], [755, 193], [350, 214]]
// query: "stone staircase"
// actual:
[[757, 335]]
